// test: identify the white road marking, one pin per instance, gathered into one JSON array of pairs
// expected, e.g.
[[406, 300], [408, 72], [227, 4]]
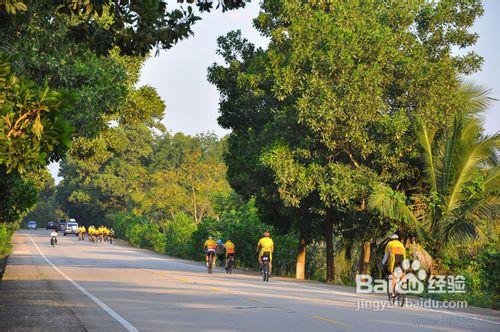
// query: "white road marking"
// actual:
[[101, 304], [192, 265]]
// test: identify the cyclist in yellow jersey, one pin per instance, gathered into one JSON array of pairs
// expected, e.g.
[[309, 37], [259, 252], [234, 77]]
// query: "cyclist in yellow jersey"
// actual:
[[210, 246], [229, 247], [395, 254], [81, 233], [266, 247]]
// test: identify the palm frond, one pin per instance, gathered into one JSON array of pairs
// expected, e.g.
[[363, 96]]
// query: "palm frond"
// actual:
[[484, 210], [426, 137], [470, 155], [450, 146], [475, 98], [458, 229], [492, 180], [391, 204]]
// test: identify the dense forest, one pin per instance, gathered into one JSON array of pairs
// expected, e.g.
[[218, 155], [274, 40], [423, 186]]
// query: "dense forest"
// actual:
[[357, 121]]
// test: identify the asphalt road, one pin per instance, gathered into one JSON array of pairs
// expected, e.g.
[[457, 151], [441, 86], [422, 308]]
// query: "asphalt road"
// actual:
[[112, 287]]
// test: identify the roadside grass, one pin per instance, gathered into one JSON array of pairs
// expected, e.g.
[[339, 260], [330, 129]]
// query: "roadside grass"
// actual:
[[6, 231]]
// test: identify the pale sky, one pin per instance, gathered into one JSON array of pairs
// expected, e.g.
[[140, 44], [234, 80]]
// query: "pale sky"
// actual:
[[180, 74]]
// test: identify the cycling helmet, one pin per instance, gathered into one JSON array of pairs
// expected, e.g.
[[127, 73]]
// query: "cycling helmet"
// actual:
[[394, 236], [211, 237]]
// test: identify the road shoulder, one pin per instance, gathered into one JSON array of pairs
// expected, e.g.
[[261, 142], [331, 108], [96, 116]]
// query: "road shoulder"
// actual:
[[27, 298]]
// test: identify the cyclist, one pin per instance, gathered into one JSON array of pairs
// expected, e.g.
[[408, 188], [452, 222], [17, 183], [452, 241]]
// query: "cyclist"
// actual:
[[111, 235], [220, 251], [395, 254], [81, 233], [266, 247], [91, 233], [53, 236], [210, 246], [105, 232], [101, 232], [229, 246]]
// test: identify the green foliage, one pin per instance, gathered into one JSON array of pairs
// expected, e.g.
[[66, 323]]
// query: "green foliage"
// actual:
[[462, 177], [244, 228], [135, 28], [46, 208], [17, 196], [480, 275], [6, 231], [178, 236], [33, 131], [139, 232]]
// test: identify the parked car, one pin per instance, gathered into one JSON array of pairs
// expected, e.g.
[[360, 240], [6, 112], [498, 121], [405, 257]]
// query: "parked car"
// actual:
[[32, 224], [51, 225], [61, 226], [71, 227]]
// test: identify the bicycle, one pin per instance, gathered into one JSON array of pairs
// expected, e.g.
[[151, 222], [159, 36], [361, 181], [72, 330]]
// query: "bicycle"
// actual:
[[265, 266], [229, 264], [211, 255], [399, 295]]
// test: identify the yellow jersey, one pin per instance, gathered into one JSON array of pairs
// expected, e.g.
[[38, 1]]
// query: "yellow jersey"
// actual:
[[266, 244], [229, 247], [210, 244], [395, 247]]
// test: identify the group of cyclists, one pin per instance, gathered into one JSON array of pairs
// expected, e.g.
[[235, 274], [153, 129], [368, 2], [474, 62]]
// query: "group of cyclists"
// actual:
[[95, 235], [394, 255], [225, 251]]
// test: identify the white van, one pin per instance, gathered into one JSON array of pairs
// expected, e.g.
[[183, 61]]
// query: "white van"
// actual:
[[71, 227]]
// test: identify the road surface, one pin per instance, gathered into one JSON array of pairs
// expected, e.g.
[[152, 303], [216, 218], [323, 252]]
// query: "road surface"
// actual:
[[117, 288]]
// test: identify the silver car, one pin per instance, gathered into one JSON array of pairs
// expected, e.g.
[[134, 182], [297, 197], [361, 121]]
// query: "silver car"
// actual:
[[71, 228], [32, 224]]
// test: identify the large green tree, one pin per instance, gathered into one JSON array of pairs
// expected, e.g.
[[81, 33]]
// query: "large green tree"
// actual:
[[70, 47], [329, 108]]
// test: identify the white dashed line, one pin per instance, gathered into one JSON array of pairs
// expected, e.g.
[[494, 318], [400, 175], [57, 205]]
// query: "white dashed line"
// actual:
[[101, 304]]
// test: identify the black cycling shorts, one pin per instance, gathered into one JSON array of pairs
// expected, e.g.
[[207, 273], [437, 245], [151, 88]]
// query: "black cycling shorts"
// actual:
[[398, 261]]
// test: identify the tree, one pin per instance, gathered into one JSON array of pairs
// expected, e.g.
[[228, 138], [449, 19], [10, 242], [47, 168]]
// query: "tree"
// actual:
[[245, 108], [32, 130], [188, 173], [134, 27], [328, 110], [46, 208], [462, 178], [107, 173]]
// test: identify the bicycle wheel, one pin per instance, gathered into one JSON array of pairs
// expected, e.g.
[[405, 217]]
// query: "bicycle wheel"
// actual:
[[210, 264], [265, 272], [389, 286]]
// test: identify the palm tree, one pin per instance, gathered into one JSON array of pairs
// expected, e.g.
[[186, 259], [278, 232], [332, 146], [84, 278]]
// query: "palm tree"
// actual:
[[461, 176]]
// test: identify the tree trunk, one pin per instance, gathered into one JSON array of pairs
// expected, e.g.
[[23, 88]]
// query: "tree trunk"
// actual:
[[300, 269], [330, 267], [366, 257]]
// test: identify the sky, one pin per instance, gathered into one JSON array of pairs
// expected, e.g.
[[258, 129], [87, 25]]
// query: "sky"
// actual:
[[180, 74]]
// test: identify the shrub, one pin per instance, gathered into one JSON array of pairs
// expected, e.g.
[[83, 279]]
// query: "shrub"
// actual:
[[139, 232], [6, 231], [178, 234]]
